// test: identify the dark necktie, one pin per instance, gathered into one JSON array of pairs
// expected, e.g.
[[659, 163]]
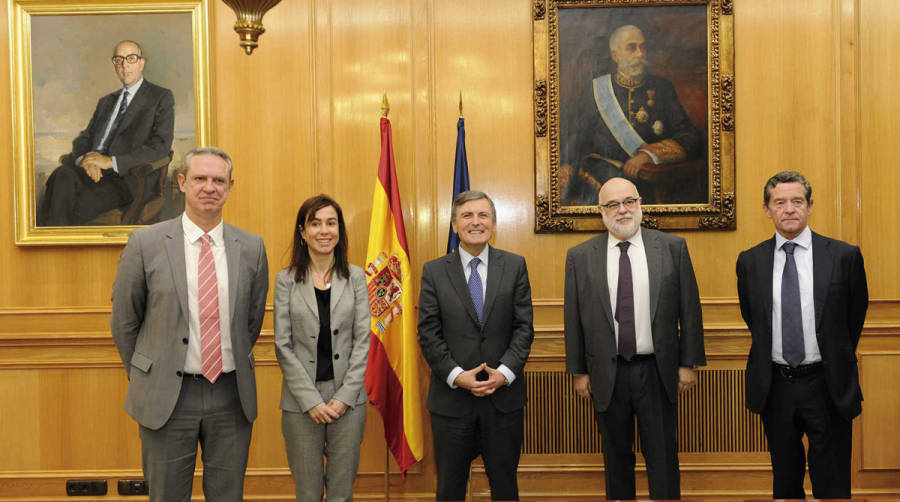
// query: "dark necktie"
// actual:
[[118, 121], [475, 288], [625, 305], [791, 317]]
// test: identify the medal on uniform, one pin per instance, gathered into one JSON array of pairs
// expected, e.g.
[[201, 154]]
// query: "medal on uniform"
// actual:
[[642, 116], [650, 95]]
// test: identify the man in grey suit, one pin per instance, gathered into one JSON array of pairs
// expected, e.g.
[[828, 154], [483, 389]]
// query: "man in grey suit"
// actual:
[[634, 336], [130, 127], [188, 304], [475, 330]]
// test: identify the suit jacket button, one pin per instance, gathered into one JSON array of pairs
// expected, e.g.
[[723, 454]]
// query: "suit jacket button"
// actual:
[[179, 374], [184, 341], [337, 356], [335, 332], [613, 358]]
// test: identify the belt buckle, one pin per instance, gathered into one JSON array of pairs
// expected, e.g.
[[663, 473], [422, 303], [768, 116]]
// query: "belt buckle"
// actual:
[[785, 371]]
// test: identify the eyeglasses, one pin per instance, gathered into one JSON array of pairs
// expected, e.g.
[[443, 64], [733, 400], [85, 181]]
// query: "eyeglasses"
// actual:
[[629, 203], [131, 58]]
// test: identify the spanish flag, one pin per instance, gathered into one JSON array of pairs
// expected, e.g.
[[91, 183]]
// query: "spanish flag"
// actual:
[[392, 376]]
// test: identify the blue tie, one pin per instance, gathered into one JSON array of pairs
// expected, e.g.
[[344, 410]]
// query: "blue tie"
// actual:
[[791, 317], [475, 288]]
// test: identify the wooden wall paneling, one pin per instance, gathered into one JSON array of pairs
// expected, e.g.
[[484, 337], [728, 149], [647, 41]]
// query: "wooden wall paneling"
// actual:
[[878, 422], [784, 122], [265, 120], [879, 96]]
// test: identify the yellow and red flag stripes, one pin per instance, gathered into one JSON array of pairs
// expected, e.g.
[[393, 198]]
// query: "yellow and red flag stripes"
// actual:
[[392, 376]]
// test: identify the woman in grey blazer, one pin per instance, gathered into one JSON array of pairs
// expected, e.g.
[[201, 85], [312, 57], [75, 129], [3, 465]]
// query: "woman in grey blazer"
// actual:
[[322, 344]]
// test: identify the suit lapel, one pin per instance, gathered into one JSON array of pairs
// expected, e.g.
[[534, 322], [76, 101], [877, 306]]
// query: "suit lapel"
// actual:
[[337, 288], [308, 293], [597, 265], [496, 264], [233, 257], [458, 280], [765, 279], [822, 265], [175, 252], [137, 102], [653, 252]]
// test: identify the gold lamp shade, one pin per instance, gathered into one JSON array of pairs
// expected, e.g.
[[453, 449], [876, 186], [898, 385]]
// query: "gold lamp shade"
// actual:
[[249, 20]]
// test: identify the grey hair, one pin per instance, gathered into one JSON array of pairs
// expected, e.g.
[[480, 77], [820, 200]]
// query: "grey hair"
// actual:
[[618, 33], [786, 177], [468, 195], [207, 150]]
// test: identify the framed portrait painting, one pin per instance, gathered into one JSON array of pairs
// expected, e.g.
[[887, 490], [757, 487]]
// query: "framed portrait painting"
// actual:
[[638, 89], [107, 99]]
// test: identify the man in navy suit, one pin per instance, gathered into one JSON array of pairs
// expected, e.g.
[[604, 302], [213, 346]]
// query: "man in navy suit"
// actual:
[[130, 127], [804, 298], [475, 330]]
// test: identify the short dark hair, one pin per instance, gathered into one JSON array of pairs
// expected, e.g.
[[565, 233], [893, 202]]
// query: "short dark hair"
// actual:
[[468, 195], [140, 49], [300, 251], [786, 177], [207, 150]]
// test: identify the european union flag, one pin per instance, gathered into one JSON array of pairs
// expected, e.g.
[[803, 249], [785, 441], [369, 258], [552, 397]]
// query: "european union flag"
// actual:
[[460, 177]]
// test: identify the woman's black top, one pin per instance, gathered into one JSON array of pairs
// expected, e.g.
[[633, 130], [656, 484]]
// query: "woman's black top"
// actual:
[[324, 364]]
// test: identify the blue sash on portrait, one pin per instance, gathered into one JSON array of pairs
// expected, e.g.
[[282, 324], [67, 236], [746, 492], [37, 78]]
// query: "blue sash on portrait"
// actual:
[[614, 117]]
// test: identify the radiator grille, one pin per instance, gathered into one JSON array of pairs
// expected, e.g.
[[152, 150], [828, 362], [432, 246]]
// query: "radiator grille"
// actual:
[[711, 417]]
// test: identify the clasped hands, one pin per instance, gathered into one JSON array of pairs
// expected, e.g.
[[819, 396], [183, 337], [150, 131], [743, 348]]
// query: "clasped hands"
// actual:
[[480, 388], [327, 413], [94, 163]]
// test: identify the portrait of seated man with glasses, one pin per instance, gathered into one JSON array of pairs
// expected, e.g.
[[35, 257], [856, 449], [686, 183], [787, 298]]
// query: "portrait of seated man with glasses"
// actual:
[[130, 127]]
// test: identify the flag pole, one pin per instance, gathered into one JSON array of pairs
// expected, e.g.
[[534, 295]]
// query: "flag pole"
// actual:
[[385, 109], [460, 105]]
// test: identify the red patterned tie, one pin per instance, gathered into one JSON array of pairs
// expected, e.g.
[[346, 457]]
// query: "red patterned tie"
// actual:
[[208, 294]]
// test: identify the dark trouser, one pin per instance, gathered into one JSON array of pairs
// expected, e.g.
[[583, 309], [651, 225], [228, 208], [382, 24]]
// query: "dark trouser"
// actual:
[[799, 404], [72, 197], [639, 392], [496, 436], [208, 413]]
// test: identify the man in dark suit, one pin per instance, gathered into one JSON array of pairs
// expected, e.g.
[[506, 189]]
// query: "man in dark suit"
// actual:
[[475, 330], [188, 305], [130, 127], [634, 337], [804, 298]]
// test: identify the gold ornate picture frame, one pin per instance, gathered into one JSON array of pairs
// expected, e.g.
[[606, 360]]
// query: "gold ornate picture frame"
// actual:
[[642, 89], [60, 54]]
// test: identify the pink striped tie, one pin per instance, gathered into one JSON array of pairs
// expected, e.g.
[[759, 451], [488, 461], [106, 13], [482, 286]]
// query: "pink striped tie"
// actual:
[[210, 338]]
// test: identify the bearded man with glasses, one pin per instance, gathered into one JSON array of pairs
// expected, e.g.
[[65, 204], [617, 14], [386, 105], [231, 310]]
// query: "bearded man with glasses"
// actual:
[[131, 126], [634, 337]]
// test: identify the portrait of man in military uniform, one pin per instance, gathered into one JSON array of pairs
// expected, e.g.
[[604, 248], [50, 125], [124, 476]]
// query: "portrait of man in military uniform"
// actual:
[[633, 103]]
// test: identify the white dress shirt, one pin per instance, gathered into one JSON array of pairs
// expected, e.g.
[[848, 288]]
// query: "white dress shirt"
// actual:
[[192, 233], [640, 279], [482, 267], [803, 257]]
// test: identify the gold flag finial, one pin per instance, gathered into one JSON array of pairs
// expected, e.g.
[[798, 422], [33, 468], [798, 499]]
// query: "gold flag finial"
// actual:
[[385, 107], [460, 105]]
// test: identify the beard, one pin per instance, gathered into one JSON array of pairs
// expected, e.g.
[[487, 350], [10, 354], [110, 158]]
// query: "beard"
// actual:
[[634, 68], [623, 226]]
